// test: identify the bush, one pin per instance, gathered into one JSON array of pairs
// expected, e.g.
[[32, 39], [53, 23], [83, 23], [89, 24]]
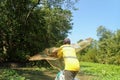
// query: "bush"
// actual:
[[9, 74]]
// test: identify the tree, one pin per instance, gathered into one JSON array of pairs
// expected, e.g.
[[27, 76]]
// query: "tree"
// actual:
[[106, 50], [29, 26], [107, 46]]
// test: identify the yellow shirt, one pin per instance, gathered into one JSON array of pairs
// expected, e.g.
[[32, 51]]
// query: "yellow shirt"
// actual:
[[70, 59]]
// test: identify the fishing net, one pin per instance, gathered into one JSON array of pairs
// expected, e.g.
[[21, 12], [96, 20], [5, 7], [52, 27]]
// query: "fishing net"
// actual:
[[50, 54]]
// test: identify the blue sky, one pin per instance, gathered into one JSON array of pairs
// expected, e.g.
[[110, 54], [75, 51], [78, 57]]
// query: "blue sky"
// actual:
[[91, 15]]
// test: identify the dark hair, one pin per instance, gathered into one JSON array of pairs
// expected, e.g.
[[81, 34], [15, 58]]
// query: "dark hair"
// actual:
[[66, 41]]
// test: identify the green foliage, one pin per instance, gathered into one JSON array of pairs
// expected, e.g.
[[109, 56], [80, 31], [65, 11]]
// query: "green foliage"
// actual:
[[29, 26], [90, 56], [9, 74], [89, 53], [106, 50], [101, 71]]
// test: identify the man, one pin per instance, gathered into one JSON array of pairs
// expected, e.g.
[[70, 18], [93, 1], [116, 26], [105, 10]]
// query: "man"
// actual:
[[72, 66]]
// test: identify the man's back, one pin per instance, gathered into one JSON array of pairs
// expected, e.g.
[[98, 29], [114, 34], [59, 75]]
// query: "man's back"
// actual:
[[70, 59]]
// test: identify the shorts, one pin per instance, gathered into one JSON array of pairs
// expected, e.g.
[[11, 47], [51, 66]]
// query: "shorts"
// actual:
[[70, 75]]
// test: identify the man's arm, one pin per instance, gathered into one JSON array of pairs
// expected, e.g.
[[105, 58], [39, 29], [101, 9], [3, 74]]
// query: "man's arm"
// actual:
[[52, 52]]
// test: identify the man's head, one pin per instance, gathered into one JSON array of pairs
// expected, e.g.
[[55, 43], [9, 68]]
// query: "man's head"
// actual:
[[66, 41]]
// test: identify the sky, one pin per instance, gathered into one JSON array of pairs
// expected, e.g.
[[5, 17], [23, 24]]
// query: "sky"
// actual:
[[94, 13]]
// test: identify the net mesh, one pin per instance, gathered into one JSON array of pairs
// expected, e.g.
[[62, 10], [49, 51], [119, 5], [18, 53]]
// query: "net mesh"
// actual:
[[50, 54]]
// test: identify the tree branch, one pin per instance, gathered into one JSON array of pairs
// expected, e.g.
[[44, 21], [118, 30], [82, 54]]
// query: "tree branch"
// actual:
[[27, 16]]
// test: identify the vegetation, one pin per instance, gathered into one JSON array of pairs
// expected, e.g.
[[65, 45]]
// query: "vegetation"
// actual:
[[8, 74], [105, 50], [29, 26], [96, 70], [101, 71]]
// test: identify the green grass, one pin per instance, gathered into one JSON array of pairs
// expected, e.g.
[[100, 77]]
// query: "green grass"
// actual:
[[94, 70], [34, 73], [101, 71], [9, 74]]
